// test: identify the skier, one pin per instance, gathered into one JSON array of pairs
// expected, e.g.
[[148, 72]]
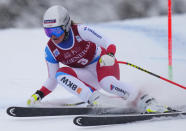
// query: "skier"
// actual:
[[90, 64]]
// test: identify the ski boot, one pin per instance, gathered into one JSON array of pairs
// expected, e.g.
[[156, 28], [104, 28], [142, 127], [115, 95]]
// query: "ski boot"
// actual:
[[148, 104]]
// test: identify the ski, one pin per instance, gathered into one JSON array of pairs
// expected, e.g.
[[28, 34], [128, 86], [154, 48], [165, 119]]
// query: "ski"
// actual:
[[121, 119], [43, 111]]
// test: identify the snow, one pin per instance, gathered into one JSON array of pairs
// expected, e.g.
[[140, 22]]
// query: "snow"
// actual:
[[142, 42]]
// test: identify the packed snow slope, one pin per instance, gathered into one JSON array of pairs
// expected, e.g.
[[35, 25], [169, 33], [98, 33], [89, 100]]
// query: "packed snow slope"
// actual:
[[142, 42]]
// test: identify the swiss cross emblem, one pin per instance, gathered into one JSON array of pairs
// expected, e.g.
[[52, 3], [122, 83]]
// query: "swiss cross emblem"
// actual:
[[56, 52], [78, 38]]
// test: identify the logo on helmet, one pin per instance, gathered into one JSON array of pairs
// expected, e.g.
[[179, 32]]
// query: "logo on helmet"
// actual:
[[49, 21]]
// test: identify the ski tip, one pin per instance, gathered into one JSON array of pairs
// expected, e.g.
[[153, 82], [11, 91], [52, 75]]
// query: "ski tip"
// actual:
[[11, 111], [78, 121]]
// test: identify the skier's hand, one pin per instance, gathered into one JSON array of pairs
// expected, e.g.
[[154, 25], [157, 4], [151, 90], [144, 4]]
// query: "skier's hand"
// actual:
[[35, 98], [107, 60]]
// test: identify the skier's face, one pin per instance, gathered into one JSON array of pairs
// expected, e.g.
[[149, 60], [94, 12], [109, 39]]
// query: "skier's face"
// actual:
[[58, 40], [55, 33]]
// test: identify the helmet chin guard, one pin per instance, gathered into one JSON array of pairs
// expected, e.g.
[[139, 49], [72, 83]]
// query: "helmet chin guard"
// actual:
[[57, 16]]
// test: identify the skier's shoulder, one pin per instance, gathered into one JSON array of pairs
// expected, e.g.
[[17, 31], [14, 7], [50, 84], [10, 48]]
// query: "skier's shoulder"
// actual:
[[88, 31], [85, 28]]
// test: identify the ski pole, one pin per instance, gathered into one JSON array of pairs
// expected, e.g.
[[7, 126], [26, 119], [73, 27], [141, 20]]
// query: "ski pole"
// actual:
[[74, 104], [139, 68]]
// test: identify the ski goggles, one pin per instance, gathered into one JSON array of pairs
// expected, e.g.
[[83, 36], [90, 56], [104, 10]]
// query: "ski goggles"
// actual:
[[56, 31]]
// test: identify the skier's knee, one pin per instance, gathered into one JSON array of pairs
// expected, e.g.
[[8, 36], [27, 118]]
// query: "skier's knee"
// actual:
[[114, 86], [66, 71]]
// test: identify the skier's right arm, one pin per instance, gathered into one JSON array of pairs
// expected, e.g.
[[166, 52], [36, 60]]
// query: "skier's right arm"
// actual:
[[50, 84]]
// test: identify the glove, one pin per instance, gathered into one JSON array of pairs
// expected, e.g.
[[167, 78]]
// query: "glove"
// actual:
[[35, 98], [107, 60]]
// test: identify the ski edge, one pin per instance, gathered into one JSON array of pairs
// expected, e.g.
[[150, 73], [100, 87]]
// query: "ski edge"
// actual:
[[16, 111], [107, 119]]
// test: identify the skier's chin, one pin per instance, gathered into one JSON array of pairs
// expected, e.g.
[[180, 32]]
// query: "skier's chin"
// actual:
[[56, 40]]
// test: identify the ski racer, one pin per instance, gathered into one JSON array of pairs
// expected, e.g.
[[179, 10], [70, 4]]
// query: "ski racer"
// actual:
[[89, 64]]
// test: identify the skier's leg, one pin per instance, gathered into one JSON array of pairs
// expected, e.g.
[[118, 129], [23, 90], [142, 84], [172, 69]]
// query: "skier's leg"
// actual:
[[139, 100], [114, 86], [68, 78], [108, 77]]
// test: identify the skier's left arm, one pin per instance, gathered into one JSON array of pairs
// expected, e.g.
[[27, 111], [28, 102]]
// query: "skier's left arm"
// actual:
[[89, 34]]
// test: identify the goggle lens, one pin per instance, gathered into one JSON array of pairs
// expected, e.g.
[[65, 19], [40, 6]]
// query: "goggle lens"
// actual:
[[56, 31]]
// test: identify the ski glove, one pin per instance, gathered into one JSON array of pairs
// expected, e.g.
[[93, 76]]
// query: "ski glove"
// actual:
[[35, 98], [107, 60]]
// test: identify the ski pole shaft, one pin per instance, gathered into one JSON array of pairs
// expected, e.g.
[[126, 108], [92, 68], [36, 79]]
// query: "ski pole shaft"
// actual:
[[139, 68], [74, 104]]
